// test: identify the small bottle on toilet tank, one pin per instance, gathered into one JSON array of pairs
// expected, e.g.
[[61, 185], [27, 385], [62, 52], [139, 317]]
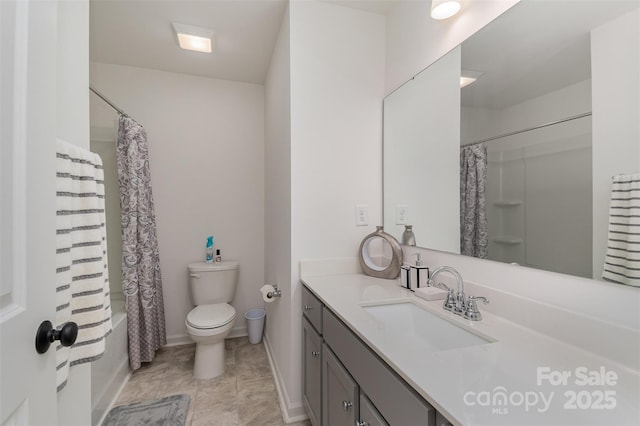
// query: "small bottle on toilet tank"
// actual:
[[209, 250], [218, 256]]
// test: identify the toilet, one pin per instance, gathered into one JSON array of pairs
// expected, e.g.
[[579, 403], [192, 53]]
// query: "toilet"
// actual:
[[212, 287]]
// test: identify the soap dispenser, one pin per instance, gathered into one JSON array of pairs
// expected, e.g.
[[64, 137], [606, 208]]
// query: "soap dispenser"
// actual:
[[405, 276], [419, 274]]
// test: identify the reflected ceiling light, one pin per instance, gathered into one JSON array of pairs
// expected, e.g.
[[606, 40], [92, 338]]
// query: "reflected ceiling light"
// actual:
[[465, 81], [443, 9], [467, 77], [194, 38]]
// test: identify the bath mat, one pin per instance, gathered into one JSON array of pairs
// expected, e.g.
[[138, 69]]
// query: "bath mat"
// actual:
[[169, 411]]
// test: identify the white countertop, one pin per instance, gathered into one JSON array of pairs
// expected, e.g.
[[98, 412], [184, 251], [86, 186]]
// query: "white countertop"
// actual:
[[465, 384]]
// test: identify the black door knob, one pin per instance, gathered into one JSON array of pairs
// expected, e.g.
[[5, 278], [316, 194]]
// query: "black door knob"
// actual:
[[46, 335]]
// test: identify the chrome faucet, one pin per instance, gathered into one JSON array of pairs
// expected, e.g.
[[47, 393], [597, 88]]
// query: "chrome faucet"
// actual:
[[460, 303]]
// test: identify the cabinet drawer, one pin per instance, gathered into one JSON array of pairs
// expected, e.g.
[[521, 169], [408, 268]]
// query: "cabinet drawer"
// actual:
[[312, 309], [398, 403]]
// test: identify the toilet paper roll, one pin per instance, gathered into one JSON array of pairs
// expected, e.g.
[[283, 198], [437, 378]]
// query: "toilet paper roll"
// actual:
[[265, 290]]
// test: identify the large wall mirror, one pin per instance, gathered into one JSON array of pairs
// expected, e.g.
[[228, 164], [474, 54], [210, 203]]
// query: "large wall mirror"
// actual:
[[528, 114]]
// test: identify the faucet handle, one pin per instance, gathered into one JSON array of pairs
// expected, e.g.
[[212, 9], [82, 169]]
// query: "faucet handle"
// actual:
[[472, 312], [449, 303], [482, 298]]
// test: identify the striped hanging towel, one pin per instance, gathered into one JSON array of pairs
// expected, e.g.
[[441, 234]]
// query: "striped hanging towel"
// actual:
[[622, 262], [82, 292]]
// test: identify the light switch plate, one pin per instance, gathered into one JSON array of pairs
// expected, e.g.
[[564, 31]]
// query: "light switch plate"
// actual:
[[362, 215], [402, 212]]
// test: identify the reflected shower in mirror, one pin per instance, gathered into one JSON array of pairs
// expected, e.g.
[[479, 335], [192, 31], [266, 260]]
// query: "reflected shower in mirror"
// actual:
[[539, 198], [548, 171]]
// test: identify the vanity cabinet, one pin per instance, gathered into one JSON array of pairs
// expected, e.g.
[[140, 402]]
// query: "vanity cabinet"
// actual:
[[340, 393], [356, 387]]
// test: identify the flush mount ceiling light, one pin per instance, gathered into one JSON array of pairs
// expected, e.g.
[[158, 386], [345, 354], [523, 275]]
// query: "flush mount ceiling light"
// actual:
[[194, 38], [443, 9]]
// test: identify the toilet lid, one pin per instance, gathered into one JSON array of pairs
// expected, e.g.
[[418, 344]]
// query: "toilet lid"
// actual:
[[211, 316]]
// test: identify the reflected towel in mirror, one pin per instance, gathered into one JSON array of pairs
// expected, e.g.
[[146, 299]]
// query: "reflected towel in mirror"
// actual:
[[622, 261]]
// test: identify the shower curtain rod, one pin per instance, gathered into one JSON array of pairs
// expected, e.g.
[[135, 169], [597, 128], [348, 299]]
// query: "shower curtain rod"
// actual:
[[504, 135], [111, 104]]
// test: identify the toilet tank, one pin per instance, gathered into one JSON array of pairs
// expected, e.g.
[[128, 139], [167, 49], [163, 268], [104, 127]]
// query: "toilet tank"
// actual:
[[213, 282]]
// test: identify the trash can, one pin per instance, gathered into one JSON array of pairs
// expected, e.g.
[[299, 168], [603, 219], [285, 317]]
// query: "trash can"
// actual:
[[255, 324]]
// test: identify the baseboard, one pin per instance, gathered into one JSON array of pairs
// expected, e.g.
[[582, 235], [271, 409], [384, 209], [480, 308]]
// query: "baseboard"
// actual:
[[178, 339], [238, 332], [291, 412]]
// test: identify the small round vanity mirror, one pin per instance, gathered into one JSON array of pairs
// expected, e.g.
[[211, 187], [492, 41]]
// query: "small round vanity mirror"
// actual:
[[380, 255]]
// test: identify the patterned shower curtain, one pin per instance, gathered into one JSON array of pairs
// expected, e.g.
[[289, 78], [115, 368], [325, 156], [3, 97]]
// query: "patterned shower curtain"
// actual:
[[141, 279], [473, 212]]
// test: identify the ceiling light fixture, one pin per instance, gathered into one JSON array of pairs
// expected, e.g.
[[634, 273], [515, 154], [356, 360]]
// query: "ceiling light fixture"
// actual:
[[194, 38], [443, 9]]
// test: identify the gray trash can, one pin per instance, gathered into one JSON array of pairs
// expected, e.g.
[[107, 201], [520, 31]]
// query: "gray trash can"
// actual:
[[255, 324]]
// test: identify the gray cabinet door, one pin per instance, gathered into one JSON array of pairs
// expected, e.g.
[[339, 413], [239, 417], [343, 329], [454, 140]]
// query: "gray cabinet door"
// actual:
[[369, 416], [340, 394], [312, 373]]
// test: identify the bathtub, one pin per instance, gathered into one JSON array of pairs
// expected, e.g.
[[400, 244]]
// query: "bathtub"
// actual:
[[110, 373]]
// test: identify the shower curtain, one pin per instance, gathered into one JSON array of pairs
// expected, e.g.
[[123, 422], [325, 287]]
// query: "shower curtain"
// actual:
[[141, 279], [473, 213]]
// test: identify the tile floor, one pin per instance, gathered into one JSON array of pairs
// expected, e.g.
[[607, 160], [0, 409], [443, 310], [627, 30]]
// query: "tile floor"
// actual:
[[244, 395]]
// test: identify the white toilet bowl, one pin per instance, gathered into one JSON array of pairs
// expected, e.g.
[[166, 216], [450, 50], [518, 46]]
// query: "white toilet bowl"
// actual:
[[208, 326]]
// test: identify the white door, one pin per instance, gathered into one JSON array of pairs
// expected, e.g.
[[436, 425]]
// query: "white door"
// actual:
[[27, 209]]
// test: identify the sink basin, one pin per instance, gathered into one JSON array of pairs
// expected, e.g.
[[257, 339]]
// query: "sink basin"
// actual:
[[406, 321]]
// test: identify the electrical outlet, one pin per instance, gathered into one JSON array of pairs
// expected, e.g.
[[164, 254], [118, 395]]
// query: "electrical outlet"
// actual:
[[402, 214], [362, 215]]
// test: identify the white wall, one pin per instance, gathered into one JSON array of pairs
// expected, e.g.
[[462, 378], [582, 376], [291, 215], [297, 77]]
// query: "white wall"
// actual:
[[336, 69], [615, 67], [337, 83], [277, 247], [206, 149], [414, 40]]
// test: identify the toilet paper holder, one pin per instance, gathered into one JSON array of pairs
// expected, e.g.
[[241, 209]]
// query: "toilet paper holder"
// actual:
[[275, 293]]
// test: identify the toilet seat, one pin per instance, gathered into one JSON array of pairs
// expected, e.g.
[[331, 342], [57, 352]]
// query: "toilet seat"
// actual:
[[206, 317]]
